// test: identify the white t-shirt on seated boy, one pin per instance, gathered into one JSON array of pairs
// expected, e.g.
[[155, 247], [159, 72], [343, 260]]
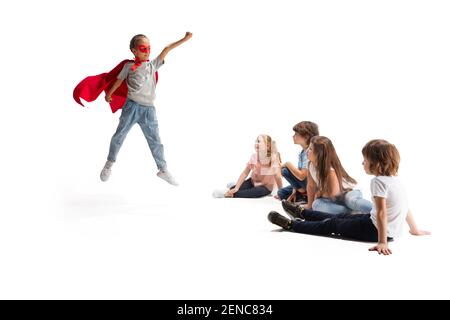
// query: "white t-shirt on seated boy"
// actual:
[[391, 189]]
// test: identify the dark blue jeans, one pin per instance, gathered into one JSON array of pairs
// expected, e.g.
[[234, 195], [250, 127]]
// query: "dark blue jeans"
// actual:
[[295, 183], [353, 226], [248, 190]]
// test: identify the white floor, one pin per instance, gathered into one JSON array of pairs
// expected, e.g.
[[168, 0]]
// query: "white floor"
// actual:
[[360, 69], [119, 240]]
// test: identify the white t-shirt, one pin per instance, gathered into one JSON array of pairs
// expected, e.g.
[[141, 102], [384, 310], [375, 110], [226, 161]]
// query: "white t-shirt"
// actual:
[[392, 190], [141, 82]]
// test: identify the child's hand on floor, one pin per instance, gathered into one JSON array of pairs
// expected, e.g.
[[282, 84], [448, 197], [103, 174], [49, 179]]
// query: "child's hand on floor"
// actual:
[[382, 248]]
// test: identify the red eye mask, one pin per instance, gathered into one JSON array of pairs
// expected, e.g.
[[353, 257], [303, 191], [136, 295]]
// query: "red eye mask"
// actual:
[[144, 49]]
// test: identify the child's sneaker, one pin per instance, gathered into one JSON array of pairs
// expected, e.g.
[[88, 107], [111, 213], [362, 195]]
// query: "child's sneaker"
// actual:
[[280, 220], [165, 175], [231, 185], [106, 171], [219, 193], [293, 210]]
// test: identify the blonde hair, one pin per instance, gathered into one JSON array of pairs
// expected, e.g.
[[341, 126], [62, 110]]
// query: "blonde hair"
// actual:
[[271, 150]]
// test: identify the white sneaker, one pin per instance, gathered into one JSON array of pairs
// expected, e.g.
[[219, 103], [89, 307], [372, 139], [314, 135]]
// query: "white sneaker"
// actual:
[[231, 185], [165, 175], [106, 171], [219, 193]]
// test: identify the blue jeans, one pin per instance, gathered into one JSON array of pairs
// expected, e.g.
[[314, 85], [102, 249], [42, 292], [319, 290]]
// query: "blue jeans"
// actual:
[[285, 192], [352, 201], [354, 226], [133, 113]]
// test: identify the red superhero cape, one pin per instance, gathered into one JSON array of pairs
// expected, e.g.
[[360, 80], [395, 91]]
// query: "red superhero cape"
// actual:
[[91, 87]]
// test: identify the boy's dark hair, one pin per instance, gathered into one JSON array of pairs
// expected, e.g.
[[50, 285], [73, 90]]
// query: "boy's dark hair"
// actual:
[[307, 130], [135, 40], [383, 157]]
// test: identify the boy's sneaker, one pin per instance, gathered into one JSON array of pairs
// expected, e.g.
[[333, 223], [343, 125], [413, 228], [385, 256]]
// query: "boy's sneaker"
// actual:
[[279, 220], [219, 193], [106, 171], [294, 211], [165, 175]]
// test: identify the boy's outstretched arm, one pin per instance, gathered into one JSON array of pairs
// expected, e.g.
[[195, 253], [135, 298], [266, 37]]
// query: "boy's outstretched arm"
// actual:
[[413, 227], [171, 46], [382, 246]]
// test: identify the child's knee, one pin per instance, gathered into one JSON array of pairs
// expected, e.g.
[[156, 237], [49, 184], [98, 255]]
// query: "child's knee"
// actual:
[[283, 193], [353, 195], [280, 193], [285, 172], [317, 206]]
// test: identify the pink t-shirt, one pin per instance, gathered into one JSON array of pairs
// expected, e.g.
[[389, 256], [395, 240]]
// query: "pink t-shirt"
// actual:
[[263, 175]]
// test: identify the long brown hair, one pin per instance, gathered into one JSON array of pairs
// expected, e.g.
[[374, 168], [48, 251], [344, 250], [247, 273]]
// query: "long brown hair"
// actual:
[[327, 158]]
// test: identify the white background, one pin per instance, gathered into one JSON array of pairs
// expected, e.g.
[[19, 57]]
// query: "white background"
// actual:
[[360, 69]]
